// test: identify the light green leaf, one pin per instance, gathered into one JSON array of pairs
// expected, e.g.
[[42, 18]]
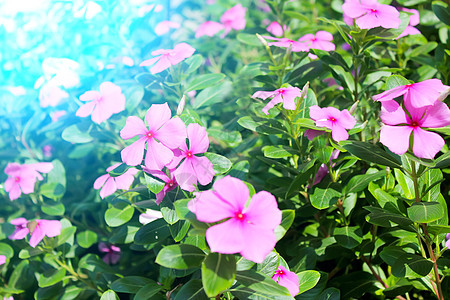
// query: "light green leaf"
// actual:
[[203, 81], [425, 212], [119, 214], [180, 256], [218, 273]]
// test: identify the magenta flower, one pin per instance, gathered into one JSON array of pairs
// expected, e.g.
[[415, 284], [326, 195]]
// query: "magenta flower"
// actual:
[[286, 43], [103, 104], [414, 20], [398, 127], [371, 14], [288, 279], [2, 259], [322, 41], [193, 168], [334, 119], [22, 178], [447, 242], [285, 95], [164, 27], [209, 28], [50, 228], [112, 253], [163, 134], [111, 184], [420, 94], [168, 57], [276, 29], [21, 230], [248, 230], [234, 18], [170, 183]]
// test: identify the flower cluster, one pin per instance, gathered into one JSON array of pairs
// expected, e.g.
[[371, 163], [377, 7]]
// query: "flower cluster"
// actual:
[[37, 228], [234, 18]]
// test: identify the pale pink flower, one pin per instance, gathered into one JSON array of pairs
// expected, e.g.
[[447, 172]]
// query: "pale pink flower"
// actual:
[[321, 41], [234, 18], [276, 29], [150, 215], [168, 57], [21, 229], [169, 183], [22, 178], [334, 119], [50, 228], [162, 135], [371, 14], [399, 126], [420, 94], [285, 95], [312, 133], [51, 95], [112, 253], [208, 28], [111, 184], [193, 168], [2, 259], [47, 150], [286, 43], [164, 27], [103, 104], [288, 279], [249, 229], [414, 20]]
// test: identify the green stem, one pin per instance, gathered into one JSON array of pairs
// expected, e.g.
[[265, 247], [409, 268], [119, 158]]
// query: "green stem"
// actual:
[[76, 275]]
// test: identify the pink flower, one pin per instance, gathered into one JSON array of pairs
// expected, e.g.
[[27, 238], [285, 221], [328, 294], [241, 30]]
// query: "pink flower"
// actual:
[[414, 20], [149, 216], [330, 81], [111, 184], [21, 230], [248, 230], [285, 95], [397, 138], [193, 168], [55, 116], [371, 14], [50, 228], [312, 133], [170, 183], [288, 279], [168, 57], [276, 29], [2, 259], [420, 94], [51, 95], [112, 253], [164, 27], [286, 43], [234, 18], [319, 41], [163, 135], [103, 104], [209, 28], [447, 242], [22, 178], [334, 119]]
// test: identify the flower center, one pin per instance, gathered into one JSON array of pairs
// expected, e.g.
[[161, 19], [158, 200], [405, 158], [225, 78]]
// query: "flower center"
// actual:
[[332, 119], [280, 272], [240, 216], [16, 179], [409, 85], [373, 10], [170, 183], [189, 154], [414, 124], [149, 134]]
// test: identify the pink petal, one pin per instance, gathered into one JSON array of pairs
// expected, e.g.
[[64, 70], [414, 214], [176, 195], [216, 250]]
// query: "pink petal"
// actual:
[[259, 242], [324, 35], [19, 233], [210, 207], [27, 184], [263, 95], [113, 97], [9, 183], [275, 28], [339, 133], [36, 236], [180, 52], [426, 144], [227, 237], [149, 62], [353, 9], [85, 109], [90, 95], [316, 113], [109, 188], [391, 94], [133, 127], [346, 120], [275, 100], [198, 138], [51, 228], [396, 138], [157, 155], [13, 169], [232, 190], [186, 176], [164, 27], [14, 192], [125, 180], [2, 261], [99, 182], [101, 112], [289, 280], [394, 117], [203, 169], [425, 93], [368, 21], [173, 133], [312, 133], [43, 167], [19, 221], [158, 174], [109, 169], [162, 64], [263, 211], [438, 115], [134, 153], [208, 28], [157, 115], [114, 257]]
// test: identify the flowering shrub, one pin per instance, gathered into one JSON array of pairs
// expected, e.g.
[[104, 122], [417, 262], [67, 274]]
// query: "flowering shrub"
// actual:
[[253, 150]]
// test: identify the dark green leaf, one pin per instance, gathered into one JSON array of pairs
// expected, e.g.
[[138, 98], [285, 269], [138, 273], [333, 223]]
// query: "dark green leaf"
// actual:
[[148, 291], [348, 237], [287, 219], [218, 273], [372, 153], [212, 94], [425, 212], [131, 284], [442, 11], [152, 232], [261, 283], [180, 256], [51, 277], [359, 182], [192, 290]]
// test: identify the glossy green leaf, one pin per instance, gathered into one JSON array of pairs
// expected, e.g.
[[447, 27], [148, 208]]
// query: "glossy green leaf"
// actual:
[[180, 256], [372, 153], [385, 218], [287, 218], [394, 81], [406, 264], [221, 164], [148, 291], [425, 212], [203, 81], [119, 214], [86, 238], [277, 151], [359, 182], [153, 184], [324, 198], [51, 277], [308, 280], [192, 290], [131, 284], [76, 135], [261, 283], [442, 11], [109, 295], [212, 94], [152, 232], [348, 237], [218, 273]]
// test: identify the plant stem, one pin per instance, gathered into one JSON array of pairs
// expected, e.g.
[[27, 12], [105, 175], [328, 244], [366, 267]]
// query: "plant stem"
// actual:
[[76, 275]]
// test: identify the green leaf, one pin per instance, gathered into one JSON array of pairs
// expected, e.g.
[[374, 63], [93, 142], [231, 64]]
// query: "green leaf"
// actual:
[[221, 164], [74, 134], [109, 295], [6, 250], [442, 11], [382, 217], [359, 182], [305, 260], [152, 232], [330, 294], [212, 94], [372, 153], [57, 209], [192, 290], [348, 237], [51, 277], [218, 273], [394, 81], [443, 161], [179, 230], [29, 252], [123, 235], [287, 218], [86, 238], [324, 198], [203, 81], [308, 280], [248, 39], [154, 185], [119, 214], [438, 229], [134, 96], [269, 264], [277, 151], [261, 283], [406, 264], [130, 284], [147, 291], [425, 212], [194, 62], [405, 183], [180, 256]]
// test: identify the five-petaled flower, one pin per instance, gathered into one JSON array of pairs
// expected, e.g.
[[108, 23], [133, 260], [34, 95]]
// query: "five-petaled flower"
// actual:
[[112, 253], [111, 184], [103, 104], [21, 229], [296, 46], [162, 135], [169, 182], [22, 178], [248, 230], [288, 279], [371, 14], [168, 57], [321, 41], [334, 119], [399, 126], [286, 95], [234, 18], [208, 28]]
